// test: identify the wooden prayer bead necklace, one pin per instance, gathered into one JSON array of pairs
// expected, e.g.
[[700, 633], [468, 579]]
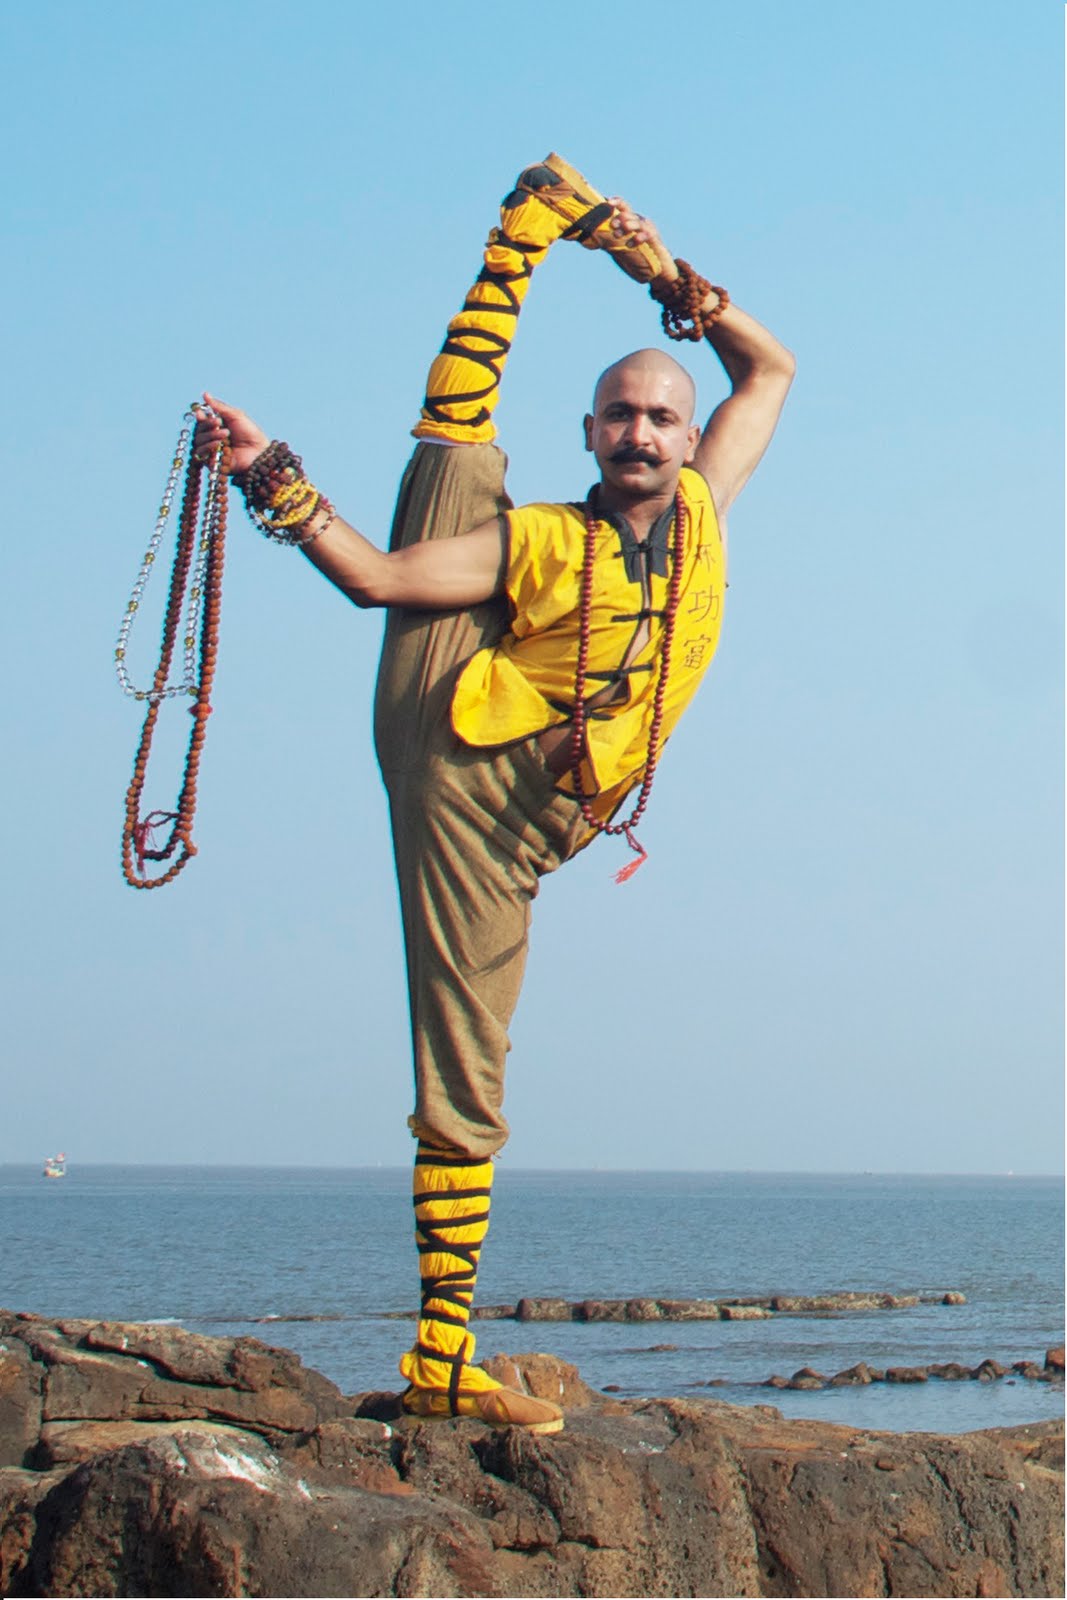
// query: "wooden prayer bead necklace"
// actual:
[[281, 502], [199, 552], [682, 299], [579, 723]]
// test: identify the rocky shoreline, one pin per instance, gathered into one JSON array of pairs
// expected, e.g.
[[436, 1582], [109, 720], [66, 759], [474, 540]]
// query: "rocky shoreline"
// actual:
[[987, 1371], [145, 1460], [737, 1308]]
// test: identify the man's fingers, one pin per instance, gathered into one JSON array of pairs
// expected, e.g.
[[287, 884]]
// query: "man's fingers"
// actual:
[[209, 435], [229, 414], [219, 423], [628, 221]]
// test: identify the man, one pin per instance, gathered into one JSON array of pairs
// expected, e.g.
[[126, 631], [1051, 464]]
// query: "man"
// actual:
[[535, 661]]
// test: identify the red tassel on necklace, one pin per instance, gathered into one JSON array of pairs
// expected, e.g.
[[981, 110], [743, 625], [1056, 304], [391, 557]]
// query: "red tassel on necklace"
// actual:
[[625, 873]]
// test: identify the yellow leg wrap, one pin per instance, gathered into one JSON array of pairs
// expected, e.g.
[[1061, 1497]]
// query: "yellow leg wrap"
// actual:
[[463, 386], [451, 1194]]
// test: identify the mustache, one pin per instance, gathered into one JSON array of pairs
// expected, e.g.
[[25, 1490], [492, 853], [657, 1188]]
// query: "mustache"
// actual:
[[629, 453]]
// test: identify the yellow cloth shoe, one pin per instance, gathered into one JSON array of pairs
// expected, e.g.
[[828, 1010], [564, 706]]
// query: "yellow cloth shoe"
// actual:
[[498, 1407], [563, 189]]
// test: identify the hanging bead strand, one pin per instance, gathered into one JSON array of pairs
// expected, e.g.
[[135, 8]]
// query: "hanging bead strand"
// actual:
[[148, 565], [200, 550]]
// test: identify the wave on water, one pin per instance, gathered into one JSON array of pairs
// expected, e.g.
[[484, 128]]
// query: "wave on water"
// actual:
[[298, 1316]]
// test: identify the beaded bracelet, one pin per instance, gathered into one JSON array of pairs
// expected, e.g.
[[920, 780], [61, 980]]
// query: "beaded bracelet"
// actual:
[[280, 500], [682, 299]]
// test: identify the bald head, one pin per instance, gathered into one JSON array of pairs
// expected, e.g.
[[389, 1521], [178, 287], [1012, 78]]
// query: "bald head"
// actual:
[[671, 382]]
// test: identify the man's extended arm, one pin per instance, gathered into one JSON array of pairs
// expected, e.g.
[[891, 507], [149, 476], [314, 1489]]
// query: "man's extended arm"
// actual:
[[760, 370], [436, 575]]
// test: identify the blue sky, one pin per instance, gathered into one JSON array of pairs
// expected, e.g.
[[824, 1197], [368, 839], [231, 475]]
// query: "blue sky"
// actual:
[[845, 952]]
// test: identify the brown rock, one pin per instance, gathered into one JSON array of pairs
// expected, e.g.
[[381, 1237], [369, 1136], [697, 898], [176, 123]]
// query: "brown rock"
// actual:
[[634, 1498], [244, 1381], [1054, 1358], [1028, 1369], [818, 1304], [953, 1298], [906, 1375], [495, 1313], [529, 1310], [689, 1310], [744, 1313], [807, 1378], [860, 1373], [643, 1311], [63, 1444], [949, 1371], [987, 1371], [20, 1402], [379, 1405], [545, 1377], [354, 1451], [84, 1384], [600, 1311], [182, 1515], [840, 1300], [173, 1353]]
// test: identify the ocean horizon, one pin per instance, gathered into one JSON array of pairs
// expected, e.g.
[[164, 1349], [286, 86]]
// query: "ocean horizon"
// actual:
[[22, 1165]]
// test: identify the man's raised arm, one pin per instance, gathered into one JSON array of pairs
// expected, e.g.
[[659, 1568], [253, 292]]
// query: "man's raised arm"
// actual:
[[760, 370], [434, 575], [740, 429]]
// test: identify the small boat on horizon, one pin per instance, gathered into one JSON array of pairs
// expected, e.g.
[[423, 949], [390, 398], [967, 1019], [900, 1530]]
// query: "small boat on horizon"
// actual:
[[55, 1166]]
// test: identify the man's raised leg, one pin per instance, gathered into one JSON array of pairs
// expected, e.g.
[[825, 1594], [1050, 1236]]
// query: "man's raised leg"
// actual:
[[472, 832]]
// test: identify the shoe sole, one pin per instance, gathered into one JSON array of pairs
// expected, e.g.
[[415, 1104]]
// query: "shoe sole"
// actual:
[[592, 228], [641, 261], [551, 1425]]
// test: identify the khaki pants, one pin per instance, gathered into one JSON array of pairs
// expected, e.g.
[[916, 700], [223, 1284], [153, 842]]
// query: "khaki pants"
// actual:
[[473, 830]]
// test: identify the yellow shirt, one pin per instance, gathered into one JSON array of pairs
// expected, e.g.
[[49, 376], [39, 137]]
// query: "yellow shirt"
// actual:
[[525, 684]]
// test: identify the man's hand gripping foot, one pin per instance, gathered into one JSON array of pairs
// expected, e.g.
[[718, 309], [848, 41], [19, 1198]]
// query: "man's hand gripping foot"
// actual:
[[591, 219]]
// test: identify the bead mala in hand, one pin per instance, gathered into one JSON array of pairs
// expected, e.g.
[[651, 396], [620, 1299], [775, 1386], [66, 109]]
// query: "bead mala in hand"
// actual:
[[199, 554], [281, 503]]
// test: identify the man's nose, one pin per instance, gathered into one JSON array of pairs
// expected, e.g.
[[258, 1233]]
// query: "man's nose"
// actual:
[[638, 430]]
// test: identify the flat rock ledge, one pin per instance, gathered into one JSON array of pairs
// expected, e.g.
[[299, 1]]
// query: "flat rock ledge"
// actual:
[[140, 1460], [987, 1371], [736, 1308]]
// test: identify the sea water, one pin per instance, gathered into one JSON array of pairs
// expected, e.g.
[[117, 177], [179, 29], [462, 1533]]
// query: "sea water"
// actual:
[[218, 1250]]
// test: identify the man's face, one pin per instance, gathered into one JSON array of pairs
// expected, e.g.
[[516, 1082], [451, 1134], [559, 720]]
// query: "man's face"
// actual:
[[641, 431]]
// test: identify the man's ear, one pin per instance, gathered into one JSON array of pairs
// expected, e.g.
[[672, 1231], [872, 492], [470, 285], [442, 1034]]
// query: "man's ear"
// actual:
[[587, 427], [694, 440]]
